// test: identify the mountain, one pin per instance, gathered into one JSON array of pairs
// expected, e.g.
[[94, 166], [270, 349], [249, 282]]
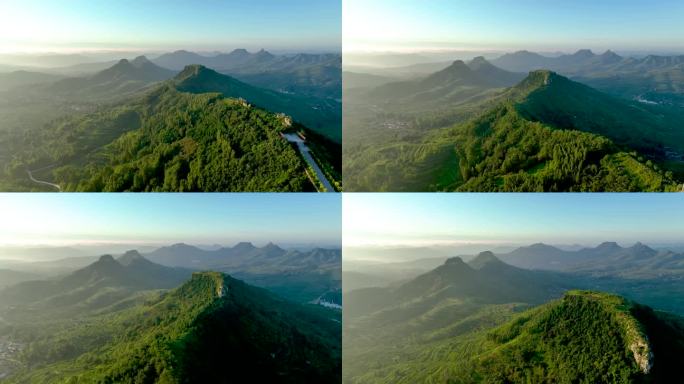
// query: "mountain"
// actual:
[[570, 105], [317, 75], [19, 79], [244, 256], [179, 59], [456, 83], [589, 336], [549, 133], [485, 279], [298, 275], [125, 77], [97, 285], [493, 74], [212, 329], [607, 259], [569, 64], [173, 140], [650, 80], [454, 300], [523, 61], [487, 321], [322, 116]]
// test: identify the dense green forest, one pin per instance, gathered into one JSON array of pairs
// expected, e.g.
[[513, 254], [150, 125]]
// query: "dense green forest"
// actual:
[[127, 128], [211, 329], [586, 337], [547, 133], [488, 321], [168, 141]]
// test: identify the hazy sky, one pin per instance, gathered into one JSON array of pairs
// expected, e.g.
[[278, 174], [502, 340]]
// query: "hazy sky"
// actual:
[[72, 25], [414, 25], [204, 218], [499, 218]]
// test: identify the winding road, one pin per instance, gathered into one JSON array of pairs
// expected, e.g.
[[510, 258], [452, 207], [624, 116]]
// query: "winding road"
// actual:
[[53, 185], [306, 152]]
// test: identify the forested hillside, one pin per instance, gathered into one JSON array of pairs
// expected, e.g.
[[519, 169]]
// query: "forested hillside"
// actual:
[[545, 134], [211, 329]]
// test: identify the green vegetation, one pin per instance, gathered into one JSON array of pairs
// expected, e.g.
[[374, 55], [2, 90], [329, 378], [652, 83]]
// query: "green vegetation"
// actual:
[[169, 141], [211, 329], [201, 131], [545, 134], [586, 337], [473, 323]]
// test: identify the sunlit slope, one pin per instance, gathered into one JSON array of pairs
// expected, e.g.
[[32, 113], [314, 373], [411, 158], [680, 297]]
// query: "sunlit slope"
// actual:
[[584, 337], [545, 134]]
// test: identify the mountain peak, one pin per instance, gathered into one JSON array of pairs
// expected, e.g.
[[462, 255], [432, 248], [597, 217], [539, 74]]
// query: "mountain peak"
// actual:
[[239, 52], [479, 62], [130, 257], [484, 259], [537, 79], [639, 246], [106, 259], [193, 70], [608, 245], [140, 60], [455, 261], [271, 245], [457, 71], [538, 245], [583, 53], [458, 64], [244, 246], [106, 265]]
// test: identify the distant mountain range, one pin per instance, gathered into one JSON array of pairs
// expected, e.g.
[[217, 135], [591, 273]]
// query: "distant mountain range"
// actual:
[[246, 256], [458, 82], [608, 258], [584, 61], [655, 79], [98, 285], [307, 74], [122, 78], [485, 279], [301, 276]]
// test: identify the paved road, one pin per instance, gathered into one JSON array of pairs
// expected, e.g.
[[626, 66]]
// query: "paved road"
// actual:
[[306, 152], [30, 174]]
